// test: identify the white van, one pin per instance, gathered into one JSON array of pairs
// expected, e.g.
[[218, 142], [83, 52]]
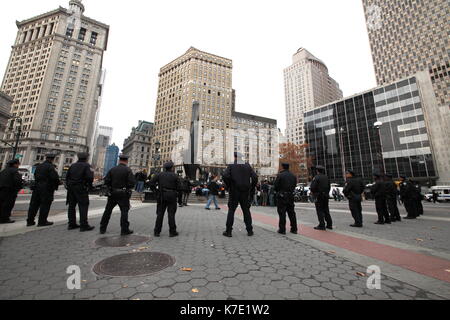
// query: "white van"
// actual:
[[27, 173], [442, 191]]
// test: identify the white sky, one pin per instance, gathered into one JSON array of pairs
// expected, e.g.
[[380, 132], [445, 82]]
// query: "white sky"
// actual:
[[260, 36]]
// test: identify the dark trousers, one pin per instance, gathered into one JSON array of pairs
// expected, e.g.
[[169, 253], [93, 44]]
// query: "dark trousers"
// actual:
[[123, 201], [393, 209], [411, 207], [7, 202], [166, 202], [382, 210], [323, 211], [186, 197], [286, 205], [356, 210], [78, 195], [239, 198], [419, 207], [180, 197], [41, 200]]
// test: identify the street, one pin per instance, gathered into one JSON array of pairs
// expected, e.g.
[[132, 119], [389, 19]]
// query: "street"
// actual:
[[413, 256]]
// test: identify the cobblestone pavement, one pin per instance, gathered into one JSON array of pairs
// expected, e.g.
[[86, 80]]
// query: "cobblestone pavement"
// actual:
[[266, 266]]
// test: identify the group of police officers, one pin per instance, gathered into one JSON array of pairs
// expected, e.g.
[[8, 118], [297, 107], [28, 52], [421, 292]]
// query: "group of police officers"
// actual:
[[240, 180]]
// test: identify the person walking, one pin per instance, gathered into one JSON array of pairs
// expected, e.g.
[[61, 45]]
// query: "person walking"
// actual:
[[120, 182], [408, 196], [240, 179], [378, 191], [320, 190], [79, 181], [10, 184], [168, 184], [391, 198], [141, 177], [284, 186], [213, 193], [187, 189], [46, 183], [264, 193], [353, 190]]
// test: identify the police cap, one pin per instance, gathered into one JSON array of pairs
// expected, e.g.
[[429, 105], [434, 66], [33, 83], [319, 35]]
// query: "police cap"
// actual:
[[50, 156], [169, 165], [124, 157], [83, 156], [351, 172], [285, 166], [13, 162]]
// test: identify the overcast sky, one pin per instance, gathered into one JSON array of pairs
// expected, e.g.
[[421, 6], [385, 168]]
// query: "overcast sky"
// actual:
[[260, 36]]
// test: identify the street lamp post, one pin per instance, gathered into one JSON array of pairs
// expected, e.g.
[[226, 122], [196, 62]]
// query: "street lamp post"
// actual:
[[341, 147], [17, 134], [377, 125], [156, 155]]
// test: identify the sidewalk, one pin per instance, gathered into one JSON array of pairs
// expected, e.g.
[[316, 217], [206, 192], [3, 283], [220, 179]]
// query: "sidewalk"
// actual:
[[266, 266]]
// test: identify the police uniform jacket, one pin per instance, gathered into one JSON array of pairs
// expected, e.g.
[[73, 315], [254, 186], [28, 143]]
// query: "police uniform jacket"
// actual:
[[80, 173], [285, 182], [320, 185], [46, 177], [378, 190], [11, 180], [240, 177], [391, 190], [120, 178], [353, 189]]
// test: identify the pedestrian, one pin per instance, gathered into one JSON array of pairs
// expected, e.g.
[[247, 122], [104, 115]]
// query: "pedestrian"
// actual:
[[213, 193], [353, 190], [320, 189], [187, 189], [255, 195], [180, 191], [264, 193], [79, 181], [419, 198], [378, 191], [408, 196], [168, 184], [272, 194], [10, 184], [141, 177], [435, 196], [240, 179], [285, 186], [391, 198], [46, 183], [120, 182]]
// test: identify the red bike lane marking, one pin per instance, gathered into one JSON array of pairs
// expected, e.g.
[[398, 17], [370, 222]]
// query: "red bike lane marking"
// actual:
[[421, 263]]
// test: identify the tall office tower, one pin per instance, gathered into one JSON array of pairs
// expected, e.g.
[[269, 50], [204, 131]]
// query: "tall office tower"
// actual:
[[195, 76], [104, 139], [410, 36], [307, 85], [54, 76]]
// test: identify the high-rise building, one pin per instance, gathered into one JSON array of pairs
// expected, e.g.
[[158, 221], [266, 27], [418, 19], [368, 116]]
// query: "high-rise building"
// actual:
[[138, 146], [307, 85], [111, 158], [5, 107], [204, 80], [391, 128], [195, 76], [54, 76], [104, 139], [408, 37]]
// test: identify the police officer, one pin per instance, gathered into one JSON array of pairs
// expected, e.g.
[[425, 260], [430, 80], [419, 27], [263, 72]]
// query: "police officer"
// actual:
[[285, 186], [353, 190], [79, 180], [391, 198], [378, 191], [408, 195], [240, 179], [320, 189], [168, 184], [46, 183], [10, 184], [120, 182], [419, 198]]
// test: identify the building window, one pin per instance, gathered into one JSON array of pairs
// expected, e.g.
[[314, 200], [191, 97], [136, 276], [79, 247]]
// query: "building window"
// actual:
[[94, 36], [69, 32], [82, 34]]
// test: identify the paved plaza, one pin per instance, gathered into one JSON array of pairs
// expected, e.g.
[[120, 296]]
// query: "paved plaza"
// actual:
[[413, 256]]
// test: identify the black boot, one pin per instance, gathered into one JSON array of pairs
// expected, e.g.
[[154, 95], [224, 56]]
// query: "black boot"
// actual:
[[126, 232], [86, 228]]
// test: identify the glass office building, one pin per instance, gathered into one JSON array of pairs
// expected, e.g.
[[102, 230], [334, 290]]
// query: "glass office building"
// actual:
[[343, 135]]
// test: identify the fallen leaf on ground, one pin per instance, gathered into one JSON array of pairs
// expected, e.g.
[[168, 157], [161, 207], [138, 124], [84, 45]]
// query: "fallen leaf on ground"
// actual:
[[361, 274], [195, 291], [448, 270], [143, 248], [83, 280], [332, 252], [420, 240], [186, 269], [125, 286]]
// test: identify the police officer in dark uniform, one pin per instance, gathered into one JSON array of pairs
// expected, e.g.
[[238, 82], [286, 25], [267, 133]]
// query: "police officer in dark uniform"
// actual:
[[378, 191], [353, 190], [240, 179], [408, 195], [120, 182], [79, 181], [419, 198], [391, 198], [46, 183], [320, 189], [168, 184], [285, 186], [10, 184]]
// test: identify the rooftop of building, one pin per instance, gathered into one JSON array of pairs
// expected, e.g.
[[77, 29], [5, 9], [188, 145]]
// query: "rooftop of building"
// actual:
[[253, 117]]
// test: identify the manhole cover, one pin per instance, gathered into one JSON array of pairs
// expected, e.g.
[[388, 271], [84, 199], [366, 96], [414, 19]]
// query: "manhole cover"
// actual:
[[134, 264], [117, 242]]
